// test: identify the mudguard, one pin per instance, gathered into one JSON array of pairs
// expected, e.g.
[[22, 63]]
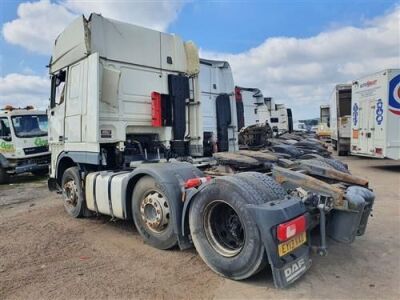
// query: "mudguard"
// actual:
[[345, 225], [173, 175], [289, 268]]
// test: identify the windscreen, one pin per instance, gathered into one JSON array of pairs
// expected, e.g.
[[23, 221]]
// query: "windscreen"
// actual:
[[30, 125]]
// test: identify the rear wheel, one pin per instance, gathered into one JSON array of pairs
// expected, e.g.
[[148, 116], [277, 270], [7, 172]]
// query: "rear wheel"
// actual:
[[337, 165], [74, 201], [152, 215], [268, 187], [223, 230]]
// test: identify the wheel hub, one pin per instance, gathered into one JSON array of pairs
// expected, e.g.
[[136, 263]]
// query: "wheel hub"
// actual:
[[70, 192], [154, 210], [223, 228]]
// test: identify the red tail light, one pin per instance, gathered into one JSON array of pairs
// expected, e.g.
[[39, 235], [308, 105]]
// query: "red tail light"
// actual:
[[238, 95], [156, 117], [195, 182], [378, 151], [289, 229]]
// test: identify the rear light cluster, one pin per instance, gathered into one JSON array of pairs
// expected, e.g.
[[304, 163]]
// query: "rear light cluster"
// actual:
[[378, 151], [290, 229], [196, 182], [156, 113], [238, 94]]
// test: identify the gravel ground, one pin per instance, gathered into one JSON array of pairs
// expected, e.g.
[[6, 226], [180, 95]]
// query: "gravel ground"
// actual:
[[46, 254]]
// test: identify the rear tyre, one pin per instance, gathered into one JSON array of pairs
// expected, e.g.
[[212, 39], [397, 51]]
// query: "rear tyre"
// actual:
[[337, 165], [72, 191], [223, 230], [270, 189], [4, 177], [152, 214]]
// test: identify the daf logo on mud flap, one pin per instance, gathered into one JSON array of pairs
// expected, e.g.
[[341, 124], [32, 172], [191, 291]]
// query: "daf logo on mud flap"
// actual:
[[295, 269]]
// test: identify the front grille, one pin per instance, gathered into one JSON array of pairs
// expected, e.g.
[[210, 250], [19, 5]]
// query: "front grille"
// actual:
[[35, 150], [41, 160]]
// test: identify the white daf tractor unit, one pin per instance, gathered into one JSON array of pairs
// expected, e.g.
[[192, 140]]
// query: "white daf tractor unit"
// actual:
[[23, 142], [218, 107], [340, 118], [126, 128], [375, 115]]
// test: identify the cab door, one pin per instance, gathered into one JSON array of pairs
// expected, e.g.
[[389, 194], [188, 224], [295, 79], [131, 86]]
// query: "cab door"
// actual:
[[56, 112], [73, 109]]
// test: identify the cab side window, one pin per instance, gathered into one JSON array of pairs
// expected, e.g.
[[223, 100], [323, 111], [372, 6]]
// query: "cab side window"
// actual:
[[5, 132], [57, 88]]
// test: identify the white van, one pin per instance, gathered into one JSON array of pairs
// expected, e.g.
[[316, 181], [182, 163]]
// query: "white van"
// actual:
[[376, 115]]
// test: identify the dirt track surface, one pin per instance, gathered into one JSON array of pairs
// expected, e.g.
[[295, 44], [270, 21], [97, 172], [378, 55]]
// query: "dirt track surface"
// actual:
[[46, 254]]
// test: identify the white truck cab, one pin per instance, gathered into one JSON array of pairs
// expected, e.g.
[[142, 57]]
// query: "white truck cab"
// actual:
[[253, 108], [23, 142], [218, 107], [122, 93]]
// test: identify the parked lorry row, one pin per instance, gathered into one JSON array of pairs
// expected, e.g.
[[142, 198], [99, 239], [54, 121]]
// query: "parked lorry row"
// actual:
[[136, 133]]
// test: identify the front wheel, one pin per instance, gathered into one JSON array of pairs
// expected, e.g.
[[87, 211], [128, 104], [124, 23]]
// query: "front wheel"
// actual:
[[152, 213], [4, 177], [74, 201]]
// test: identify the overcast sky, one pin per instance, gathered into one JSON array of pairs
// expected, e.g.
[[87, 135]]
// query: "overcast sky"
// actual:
[[294, 51]]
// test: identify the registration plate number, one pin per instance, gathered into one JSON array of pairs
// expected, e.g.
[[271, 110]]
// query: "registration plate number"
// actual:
[[292, 244]]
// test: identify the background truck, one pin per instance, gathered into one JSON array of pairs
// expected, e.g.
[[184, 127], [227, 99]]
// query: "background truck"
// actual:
[[324, 116], [248, 100], [23, 142], [375, 115], [253, 108], [277, 115], [218, 106], [126, 140], [323, 131], [340, 118]]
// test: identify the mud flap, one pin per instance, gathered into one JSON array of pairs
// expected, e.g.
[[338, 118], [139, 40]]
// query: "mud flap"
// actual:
[[345, 225], [223, 108], [289, 268]]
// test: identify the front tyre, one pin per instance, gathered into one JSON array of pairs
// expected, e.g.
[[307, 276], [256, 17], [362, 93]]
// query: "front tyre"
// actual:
[[152, 213], [73, 197], [223, 231], [4, 177]]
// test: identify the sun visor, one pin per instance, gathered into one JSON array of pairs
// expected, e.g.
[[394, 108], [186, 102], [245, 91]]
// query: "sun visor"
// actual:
[[192, 56]]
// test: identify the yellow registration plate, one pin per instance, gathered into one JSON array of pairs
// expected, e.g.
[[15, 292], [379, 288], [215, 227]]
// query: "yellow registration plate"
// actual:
[[292, 244]]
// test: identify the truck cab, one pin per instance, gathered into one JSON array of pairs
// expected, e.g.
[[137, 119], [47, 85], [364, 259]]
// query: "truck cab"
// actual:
[[218, 107], [23, 142], [121, 93]]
